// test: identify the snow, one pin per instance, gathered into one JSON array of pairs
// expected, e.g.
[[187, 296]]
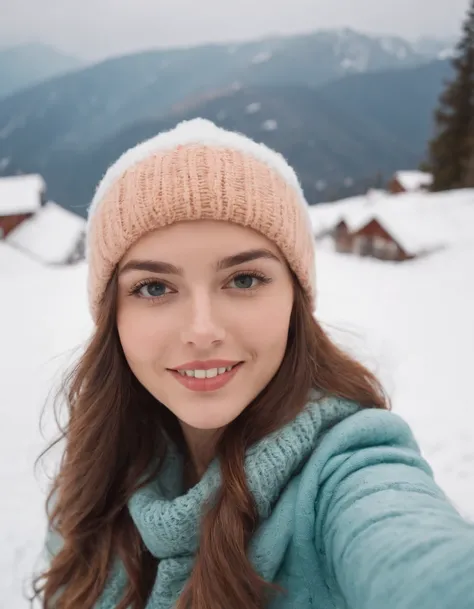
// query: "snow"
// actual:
[[20, 194], [414, 180], [253, 108], [419, 222], [447, 53], [354, 57], [394, 46], [325, 216], [411, 323], [262, 57], [270, 125], [36, 341], [50, 235], [347, 63]]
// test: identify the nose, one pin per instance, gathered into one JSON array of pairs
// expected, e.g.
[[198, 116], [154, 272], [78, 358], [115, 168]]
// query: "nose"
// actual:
[[202, 328]]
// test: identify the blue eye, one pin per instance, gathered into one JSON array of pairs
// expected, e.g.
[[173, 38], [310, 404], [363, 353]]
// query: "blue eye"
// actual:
[[150, 289], [244, 281], [249, 281]]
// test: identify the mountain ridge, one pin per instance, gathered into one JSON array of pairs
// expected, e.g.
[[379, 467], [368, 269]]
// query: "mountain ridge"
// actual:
[[93, 112], [23, 66]]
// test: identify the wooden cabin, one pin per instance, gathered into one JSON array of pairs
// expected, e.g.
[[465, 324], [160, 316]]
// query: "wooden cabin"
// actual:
[[20, 198], [409, 181]]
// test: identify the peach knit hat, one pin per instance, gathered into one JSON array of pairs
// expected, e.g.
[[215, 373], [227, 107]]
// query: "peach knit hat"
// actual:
[[197, 171]]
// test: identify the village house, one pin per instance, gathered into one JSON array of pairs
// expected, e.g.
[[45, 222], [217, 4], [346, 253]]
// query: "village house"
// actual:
[[393, 228], [390, 228], [20, 198], [53, 235], [371, 239], [409, 181], [40, 228]]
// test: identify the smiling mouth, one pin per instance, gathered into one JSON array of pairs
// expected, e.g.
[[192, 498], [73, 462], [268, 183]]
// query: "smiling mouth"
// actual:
[[206, 380], [206, 374]]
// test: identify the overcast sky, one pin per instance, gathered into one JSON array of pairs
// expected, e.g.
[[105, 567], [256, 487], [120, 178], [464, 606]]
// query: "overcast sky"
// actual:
[[96, 28]]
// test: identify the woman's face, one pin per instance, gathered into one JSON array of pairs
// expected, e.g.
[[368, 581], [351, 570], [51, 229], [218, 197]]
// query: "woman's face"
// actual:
[[203, 313]]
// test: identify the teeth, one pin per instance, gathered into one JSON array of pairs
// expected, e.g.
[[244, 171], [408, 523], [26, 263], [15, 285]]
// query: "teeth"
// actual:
[[203, 374]]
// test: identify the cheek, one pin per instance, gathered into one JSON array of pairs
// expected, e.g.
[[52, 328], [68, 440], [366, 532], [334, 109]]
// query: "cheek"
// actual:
[[266, 329], [140, 337]]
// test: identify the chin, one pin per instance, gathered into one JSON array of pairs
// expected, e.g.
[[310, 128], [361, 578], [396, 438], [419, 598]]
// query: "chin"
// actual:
[[209, 421]]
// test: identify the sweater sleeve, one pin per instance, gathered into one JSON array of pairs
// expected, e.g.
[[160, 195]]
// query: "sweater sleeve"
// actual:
[[387, 535]]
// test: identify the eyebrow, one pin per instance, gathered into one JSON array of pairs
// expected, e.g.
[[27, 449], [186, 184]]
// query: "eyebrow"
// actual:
[[165, 268]]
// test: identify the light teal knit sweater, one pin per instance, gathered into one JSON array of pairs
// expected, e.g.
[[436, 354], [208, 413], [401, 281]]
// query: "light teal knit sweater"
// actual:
[[350, 518]]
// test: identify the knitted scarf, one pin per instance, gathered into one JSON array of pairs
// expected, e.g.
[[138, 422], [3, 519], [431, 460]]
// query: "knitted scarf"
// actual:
[[168, 520]]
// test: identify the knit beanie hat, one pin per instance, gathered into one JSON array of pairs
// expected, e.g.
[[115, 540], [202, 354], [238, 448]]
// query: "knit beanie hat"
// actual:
[[197, 171]]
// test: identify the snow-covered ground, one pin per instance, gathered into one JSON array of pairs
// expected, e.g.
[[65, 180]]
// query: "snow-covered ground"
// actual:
[[411, 322], [43, 319]]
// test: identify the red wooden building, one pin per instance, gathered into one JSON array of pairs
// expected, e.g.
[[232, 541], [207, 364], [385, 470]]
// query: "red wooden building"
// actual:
[[372, 239], [409, 181], [393, 228], [20, 198], [376, 241]]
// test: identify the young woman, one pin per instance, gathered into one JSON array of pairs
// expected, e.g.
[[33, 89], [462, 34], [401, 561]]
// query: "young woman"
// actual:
[[221, 451]]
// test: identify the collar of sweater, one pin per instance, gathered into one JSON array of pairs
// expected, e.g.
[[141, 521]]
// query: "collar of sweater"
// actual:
[[169, 521]]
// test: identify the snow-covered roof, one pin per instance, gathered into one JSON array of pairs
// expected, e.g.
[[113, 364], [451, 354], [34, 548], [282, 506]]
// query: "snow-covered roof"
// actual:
[[415, 231], [20, 194], [325, 216], [411, 180], [50, 235], [418, 222]]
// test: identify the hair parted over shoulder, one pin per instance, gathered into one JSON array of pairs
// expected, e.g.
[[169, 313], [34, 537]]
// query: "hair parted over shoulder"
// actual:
[[117, 431]]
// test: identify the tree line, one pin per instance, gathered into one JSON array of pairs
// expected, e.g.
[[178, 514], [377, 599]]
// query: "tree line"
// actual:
[[451, 151]]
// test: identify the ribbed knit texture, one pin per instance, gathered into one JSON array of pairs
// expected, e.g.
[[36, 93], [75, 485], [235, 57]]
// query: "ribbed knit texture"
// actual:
[[350, 518], [198, 181]]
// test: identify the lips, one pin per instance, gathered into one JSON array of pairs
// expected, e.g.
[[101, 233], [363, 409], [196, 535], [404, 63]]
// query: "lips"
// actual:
[[198, 380], [207, 364], [205, 373]]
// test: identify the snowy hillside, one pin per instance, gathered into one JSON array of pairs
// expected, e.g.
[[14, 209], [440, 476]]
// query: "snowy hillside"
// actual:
[[411, 322]]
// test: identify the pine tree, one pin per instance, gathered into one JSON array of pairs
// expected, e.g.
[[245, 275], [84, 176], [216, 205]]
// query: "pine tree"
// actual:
[[450, 150], [468, 181]]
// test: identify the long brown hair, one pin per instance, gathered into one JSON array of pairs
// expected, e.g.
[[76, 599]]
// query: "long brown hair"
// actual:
[[116, 430]]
